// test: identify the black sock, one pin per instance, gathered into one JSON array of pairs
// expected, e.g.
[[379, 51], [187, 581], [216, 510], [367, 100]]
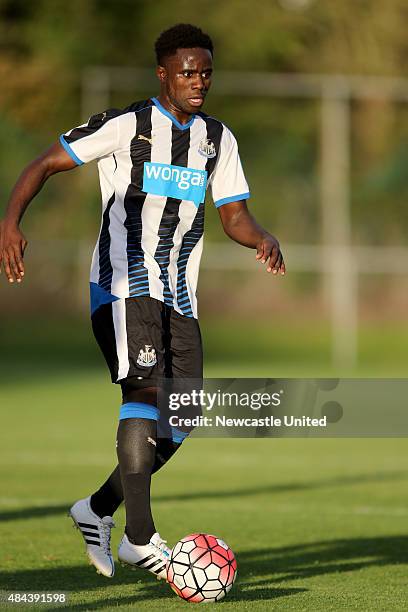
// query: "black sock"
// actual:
[[108, 498], [136, 449]]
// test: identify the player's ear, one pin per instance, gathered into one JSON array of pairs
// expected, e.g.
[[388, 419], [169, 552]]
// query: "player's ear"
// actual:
[[161, 73]]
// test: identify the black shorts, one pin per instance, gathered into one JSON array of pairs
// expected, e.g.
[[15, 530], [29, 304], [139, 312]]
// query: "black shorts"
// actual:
[[144, 338]]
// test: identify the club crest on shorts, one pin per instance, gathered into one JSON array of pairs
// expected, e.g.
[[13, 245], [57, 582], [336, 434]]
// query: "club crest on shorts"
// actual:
[[147, 357], [207, 148]]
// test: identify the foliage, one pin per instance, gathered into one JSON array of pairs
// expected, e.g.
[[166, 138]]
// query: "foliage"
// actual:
[[45, 45]]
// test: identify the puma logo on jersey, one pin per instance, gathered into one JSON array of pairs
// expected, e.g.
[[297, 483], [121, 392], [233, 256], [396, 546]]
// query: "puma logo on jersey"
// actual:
[[149, 140]]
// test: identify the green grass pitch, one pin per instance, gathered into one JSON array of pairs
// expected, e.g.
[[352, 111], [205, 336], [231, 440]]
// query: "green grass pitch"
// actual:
[[315, 524]]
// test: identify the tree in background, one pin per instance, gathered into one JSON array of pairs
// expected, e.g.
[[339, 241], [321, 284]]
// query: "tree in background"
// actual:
[[45, 44]]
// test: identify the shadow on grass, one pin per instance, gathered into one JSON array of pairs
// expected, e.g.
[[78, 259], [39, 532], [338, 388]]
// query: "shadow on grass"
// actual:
[[147, 588], [43, 511], [261, 572], [285, 487], [319, 558], [80, 580], [21, 514]]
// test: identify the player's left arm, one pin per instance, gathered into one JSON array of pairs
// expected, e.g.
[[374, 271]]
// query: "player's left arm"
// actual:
[[229, 192], [240, 226]]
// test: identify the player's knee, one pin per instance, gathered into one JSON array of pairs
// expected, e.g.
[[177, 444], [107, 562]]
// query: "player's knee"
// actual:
[[141, 464], [136, 446], [136, 390]]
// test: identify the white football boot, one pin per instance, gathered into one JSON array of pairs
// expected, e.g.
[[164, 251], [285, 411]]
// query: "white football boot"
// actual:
[[152, 556], [96, 532]]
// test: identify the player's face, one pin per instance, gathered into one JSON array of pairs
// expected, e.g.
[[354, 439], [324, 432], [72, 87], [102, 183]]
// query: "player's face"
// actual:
[[186, 79]]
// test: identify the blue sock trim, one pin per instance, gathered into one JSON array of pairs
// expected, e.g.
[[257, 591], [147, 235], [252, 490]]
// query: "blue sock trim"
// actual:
[[134, 410], [177, 435]]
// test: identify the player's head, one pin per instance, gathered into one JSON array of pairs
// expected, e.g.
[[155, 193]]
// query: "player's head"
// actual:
[[184, 66]]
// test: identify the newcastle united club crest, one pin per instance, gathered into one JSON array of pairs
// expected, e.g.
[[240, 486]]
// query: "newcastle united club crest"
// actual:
[[147, 357], [207, 148]]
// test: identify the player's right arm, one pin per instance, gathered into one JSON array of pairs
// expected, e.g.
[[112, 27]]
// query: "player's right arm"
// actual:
[[12, 240]]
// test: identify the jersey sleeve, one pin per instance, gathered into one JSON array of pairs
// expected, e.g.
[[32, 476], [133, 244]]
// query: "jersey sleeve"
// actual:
[[228, 183], [93, 140]]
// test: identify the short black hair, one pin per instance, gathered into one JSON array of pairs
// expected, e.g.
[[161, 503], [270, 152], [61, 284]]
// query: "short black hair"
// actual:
[[181, 36]]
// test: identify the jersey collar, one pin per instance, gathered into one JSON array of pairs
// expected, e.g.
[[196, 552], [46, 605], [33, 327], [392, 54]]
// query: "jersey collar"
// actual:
[[167, 113]]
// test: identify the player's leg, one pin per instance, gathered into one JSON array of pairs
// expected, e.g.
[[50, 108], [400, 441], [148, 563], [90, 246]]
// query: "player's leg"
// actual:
[[129, 333], [141, 544], [96, 528], [166, 446], [107, 499], [182, 355], [183, 360], [136, 450]]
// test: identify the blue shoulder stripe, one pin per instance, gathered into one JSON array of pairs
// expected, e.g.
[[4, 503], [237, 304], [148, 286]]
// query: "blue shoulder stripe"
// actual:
[[70, 151], [236, 198]]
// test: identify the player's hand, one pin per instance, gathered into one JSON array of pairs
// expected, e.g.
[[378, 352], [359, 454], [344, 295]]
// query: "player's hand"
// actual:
[[268, 250], [12, 247]]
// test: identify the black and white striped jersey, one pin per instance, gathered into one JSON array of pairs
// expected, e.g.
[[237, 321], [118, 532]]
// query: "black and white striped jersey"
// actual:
[[154, 173]]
